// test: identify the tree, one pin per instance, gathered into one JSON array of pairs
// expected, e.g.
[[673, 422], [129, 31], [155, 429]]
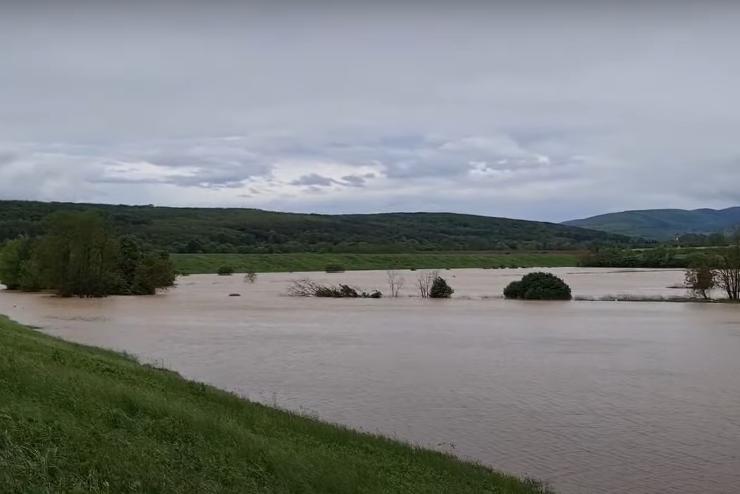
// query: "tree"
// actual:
[[424, 282], [440, 288], [700, 277], [538, 286], [395, 282], [728, 270], [15, 254], [79, 255], [153, 271]]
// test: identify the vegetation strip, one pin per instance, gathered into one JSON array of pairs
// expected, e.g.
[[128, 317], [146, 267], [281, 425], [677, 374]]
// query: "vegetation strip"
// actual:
[[80, 419], [266, 263]]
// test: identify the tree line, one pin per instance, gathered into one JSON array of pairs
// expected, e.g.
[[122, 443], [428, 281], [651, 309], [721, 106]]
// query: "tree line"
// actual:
[[81, 255], [227, 230]]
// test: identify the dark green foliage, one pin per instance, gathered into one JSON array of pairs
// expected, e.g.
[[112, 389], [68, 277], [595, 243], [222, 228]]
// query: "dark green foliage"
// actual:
[[658, 257], [80, 255], [154, 271], [515, 289], [345, 291], [211, 230], [75, 419], [334, 268], [17, 270], [225, 271], [538, 286], [440, 288]]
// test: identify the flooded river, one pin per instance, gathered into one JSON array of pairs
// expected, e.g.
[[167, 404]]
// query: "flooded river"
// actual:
[[593, 397]]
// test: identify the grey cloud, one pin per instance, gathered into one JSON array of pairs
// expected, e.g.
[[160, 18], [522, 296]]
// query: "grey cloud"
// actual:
[[632, 107], [315, 180]]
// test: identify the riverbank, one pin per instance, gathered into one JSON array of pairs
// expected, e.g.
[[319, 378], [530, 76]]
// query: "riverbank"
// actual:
[[77, 418], [269, 263]]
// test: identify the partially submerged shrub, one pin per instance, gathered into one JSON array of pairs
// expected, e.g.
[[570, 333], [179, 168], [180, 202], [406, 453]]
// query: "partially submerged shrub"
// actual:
[[250, 277], [310, 288], [440, 288], [538, 286], [425, 281], [334, 268], [225, 271]]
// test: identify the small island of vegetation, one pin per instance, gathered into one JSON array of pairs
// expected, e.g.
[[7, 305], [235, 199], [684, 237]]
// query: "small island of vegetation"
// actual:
[[80, 255], [538, 286]]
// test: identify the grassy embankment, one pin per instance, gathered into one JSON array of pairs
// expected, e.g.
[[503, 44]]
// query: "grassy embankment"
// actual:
[[265, 263], [80, 419]]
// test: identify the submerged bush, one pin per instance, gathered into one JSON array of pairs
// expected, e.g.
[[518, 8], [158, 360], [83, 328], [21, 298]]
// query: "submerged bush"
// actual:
[[225, 271], [538, 286], [310, 288], [440, 288]]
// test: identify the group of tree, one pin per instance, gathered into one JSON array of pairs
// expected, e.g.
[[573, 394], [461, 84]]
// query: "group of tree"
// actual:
[[219, 230], [720, 270], [81, 255]]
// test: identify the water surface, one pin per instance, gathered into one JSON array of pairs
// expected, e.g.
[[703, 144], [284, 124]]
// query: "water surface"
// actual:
[[594, 397]]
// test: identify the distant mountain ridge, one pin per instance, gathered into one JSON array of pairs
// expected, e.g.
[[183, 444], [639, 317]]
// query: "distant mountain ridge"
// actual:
[[227, 230], [662, 224]]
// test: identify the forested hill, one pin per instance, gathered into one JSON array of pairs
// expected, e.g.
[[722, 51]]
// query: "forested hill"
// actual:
[[253, 230], [663, 224]]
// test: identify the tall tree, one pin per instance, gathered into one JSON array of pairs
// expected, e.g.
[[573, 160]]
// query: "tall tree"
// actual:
[[728, 271], [79, 255]]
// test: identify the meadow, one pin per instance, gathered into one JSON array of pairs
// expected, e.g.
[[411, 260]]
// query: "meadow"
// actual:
[[265, 263]]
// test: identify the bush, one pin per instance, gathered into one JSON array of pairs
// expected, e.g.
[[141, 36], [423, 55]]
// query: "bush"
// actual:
[[334, 268], [225, 271], [440, 288], [538, 286], [514, 290]]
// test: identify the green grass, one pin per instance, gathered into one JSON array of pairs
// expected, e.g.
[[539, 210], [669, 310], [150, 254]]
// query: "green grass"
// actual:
[[79, 419], [266, 263]]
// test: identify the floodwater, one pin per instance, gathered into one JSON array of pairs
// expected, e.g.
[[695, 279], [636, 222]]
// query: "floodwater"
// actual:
[[593, 397]]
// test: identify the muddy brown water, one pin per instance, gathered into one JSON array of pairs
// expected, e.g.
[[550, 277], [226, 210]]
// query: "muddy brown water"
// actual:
[[593, 397]]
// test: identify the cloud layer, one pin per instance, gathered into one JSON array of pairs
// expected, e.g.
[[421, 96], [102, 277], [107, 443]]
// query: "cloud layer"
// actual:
[[529, 111]]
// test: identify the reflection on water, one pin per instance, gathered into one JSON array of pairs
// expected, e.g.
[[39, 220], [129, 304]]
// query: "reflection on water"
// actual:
[[595, 397]]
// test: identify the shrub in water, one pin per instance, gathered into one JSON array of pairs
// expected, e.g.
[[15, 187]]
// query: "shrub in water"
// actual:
[[334, 268], [440, 288], [538, 286], [514, 290], [225, 271]]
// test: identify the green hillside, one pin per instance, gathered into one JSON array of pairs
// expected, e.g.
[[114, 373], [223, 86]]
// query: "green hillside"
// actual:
[[216, 230], [663, 224]]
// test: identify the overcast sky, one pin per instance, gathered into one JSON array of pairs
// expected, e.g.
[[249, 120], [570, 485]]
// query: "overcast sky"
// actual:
[[543, 111]]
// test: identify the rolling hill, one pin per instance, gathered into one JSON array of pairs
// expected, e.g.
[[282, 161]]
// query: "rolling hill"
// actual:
[[662, 224], [196, 230]]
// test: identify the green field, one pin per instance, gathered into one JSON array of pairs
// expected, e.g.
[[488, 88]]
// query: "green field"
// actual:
[[266, 263], [80, 419]]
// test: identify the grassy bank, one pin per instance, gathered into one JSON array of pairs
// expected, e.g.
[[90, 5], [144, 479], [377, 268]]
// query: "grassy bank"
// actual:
[[266, 263], [79, 419]]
